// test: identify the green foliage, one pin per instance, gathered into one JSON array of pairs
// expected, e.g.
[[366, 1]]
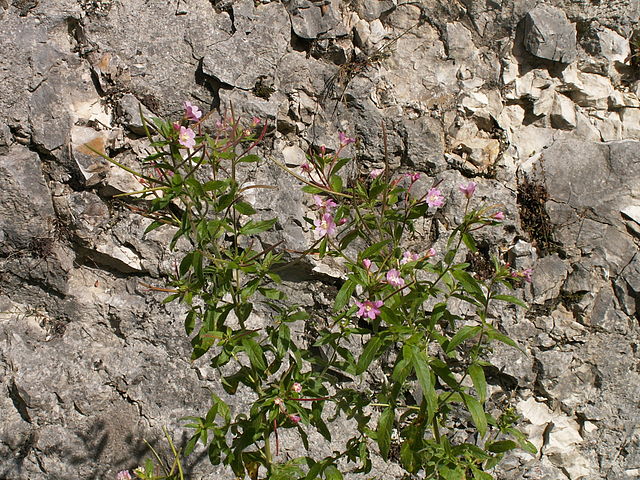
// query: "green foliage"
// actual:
[[393, 301]]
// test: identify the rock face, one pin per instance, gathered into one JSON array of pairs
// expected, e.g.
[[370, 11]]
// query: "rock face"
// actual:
[[548, 34], [536, 101]]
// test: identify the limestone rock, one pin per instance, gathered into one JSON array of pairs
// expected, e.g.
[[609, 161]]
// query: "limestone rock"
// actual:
[[548, 34], [253, 27], [311, 20]]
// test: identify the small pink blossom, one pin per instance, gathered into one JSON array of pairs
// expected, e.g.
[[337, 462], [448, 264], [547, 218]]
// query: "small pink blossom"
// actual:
[[306, 167], [294, 418], [409, 257], [523, 274], [325, 226], [344, 140], [342, 221], [468, 189], [414, 177], [367, 263], [255, 121], [394, 279], [277, 401], [123, 475], [296, 387], [375, 173], [435, 198], [191, 112], [430, 253], [369, 309], [498, 216], [187, 137], [325, 204]]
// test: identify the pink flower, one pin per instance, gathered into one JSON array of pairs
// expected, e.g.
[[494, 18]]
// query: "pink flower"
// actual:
[[306, 167], [123, 475], [523, 274], [375, 173], [430, 253], [277, 401], [413, 176], [344, 140], [498, 216], [342, 221], [468, 189], [255, 121], [367, 263], [325, 225], [369, 309], [294, 418], [191, 112], [296, 387], [394, 279], [325, 204], [409, 257], [187, 137], [435, 198]]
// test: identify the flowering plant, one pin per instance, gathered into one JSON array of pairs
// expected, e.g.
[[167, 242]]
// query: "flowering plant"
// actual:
[[423, 318]]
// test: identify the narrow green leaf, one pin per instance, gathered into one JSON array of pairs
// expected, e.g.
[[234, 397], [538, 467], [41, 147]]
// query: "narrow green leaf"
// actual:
[[463, 334], [249, 159], [368, 354], [501, 446], [190, 322], [374, 249], [476, 372], [244, 208], [421, 366], [510, 299], [311, 189], [253, 228], [336, 183], [477, 413], [493, 334], [344, 294], [255, 354], [383, 432], [332, 473]]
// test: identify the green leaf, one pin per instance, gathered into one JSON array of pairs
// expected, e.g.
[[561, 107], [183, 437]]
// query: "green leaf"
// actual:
[[190, 322], [383, 432], [501, 446], [244, 208], [336, 183], [477, 413], [463, 334], [249, 159], [421, 366], [368, 354], [253, 228], [373, 249], [493, 334], [332, 473], [510, 299], [311, 189], [344, 294], [476, 372], [215, 185], [469, 242], [255, 354]]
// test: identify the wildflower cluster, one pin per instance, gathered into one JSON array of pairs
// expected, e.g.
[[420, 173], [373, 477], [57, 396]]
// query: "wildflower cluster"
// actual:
[[393, 301]]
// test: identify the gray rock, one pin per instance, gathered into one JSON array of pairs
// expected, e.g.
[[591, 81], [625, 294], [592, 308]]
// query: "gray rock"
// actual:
[[26, 209], [548, 34], [261, 33], [370, 10], [311, 20]]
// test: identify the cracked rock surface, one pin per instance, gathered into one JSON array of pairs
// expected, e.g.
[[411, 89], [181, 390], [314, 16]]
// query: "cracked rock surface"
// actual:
[[538, 102]]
